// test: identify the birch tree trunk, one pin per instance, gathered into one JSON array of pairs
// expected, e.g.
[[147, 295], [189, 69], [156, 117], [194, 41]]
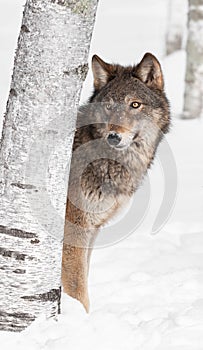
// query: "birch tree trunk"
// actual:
[[193, 105], [50, 66], [176, 25]]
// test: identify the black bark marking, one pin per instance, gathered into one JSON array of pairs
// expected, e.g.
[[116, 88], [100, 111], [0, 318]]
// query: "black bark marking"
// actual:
[[16, 233], [51, 295], [13, 254], [59, 2], [24, 28], [59, 300], [80, 71], [35, 241], [19, 271], [23, 186], [15, 322], [54, 295], [13, 92]]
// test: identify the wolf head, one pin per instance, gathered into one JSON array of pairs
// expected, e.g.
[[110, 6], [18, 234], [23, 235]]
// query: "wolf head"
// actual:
[[128, 101]]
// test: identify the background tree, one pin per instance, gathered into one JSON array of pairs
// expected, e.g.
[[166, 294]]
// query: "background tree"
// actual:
[[50, 66], [176, 25], [193, 105]]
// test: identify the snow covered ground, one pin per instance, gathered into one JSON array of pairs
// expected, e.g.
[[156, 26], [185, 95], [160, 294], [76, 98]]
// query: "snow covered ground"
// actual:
[[146, 291]]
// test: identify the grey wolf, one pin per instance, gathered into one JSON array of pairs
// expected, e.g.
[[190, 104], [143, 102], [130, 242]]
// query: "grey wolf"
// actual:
[[118, 131]]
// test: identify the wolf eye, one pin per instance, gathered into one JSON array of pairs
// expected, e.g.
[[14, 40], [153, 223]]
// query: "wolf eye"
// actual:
[[135, 104], [108, 106]]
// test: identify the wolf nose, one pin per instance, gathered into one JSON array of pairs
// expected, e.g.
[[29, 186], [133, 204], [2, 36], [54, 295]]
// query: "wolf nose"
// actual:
[[114, 139]]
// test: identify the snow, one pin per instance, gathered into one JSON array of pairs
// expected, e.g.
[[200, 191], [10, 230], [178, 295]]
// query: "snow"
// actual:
[[146, 291]]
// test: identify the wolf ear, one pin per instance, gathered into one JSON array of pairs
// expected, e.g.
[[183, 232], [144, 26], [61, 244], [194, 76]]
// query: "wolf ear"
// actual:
[[149, 72], [102, 71]]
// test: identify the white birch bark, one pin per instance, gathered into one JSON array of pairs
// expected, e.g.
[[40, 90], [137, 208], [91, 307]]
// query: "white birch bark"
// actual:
[[50, 66], [176, 25], [193, 104]]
